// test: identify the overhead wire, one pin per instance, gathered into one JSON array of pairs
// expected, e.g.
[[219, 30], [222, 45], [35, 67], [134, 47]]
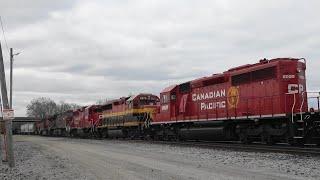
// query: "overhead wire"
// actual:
[[5, 40]]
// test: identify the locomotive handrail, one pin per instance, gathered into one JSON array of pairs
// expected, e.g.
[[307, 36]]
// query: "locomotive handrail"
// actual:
[[227, 107], [302, 105], [294, 104], [272, 106]]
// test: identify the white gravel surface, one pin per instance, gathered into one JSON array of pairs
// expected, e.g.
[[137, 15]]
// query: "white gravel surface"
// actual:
[[36, 163], [64, 158]]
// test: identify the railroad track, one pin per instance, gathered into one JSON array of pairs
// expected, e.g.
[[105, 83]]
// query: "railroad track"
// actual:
[[235, 145], [279, 148]]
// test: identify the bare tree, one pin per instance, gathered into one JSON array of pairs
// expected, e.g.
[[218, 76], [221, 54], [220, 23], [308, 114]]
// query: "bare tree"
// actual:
[[41, 108], [74, 106], [101, 101], [63, 107]]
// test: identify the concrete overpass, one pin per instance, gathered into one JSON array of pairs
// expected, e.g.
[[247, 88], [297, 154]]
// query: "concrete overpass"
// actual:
[[18, 121], [24, 119]]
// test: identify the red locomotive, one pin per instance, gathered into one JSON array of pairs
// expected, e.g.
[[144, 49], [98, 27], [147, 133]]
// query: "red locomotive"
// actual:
[[251, 101], [42, 127], [259, 90], [85, 121], [266, 101], [62, 120]]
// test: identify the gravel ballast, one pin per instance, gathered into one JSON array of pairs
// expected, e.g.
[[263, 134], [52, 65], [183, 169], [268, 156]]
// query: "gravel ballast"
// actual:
[[66, 158]]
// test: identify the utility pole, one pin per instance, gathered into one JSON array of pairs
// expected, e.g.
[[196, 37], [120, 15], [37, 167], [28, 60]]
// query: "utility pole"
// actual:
[[1, 127], [6, 108], [11, 72], [11, 64]]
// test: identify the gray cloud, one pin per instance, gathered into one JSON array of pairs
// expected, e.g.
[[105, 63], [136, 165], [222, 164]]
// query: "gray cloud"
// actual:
[[80, 51]]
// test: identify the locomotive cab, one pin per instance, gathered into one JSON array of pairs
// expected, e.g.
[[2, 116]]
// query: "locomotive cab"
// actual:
[[167, 109], [142, 100], [91, 115], [144, 107], [293, 85]]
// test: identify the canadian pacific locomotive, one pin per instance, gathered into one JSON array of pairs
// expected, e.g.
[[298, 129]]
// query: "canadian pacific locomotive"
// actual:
[[266, 101], [128, 116]]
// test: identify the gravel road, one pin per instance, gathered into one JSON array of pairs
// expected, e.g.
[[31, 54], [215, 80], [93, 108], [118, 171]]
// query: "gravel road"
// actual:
[[65, 158]]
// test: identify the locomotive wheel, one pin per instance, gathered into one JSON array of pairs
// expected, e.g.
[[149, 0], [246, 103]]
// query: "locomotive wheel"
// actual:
[[71, 134], [98, 134], [104, 133], [270, 140], [267, 138], [295, 142], [290, 141], [299, 142], [147, 138], [244, 139]]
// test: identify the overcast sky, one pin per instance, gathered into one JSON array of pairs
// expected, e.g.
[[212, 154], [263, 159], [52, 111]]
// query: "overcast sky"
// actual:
[[82, 51]]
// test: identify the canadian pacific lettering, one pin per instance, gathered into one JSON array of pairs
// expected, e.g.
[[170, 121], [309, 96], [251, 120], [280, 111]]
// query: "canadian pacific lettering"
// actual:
[[213, 105], [211, 95]]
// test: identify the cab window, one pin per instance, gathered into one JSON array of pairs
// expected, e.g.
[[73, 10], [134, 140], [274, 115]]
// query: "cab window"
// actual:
[[164, 99]]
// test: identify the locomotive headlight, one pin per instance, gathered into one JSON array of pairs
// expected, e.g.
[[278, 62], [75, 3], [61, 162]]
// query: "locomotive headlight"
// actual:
[[298, 70]]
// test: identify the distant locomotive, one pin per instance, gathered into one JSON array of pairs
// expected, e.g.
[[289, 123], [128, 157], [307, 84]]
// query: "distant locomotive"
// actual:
[[84, 121], [128, 116], [266, 101]]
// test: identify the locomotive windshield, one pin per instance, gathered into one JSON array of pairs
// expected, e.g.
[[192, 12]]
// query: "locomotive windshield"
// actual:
[[148, 100]]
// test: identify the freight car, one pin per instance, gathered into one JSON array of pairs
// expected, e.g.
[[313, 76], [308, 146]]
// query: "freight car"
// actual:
[[28, 128]]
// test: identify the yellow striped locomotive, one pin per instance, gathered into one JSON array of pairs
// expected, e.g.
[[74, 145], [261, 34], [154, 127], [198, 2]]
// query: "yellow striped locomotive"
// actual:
[[128, 116]]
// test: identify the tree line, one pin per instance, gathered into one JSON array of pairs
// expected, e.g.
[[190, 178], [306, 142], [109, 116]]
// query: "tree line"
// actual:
[[44, 107]]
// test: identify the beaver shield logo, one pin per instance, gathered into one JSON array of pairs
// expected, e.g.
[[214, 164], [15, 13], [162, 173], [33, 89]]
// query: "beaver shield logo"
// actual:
[[233, 97]]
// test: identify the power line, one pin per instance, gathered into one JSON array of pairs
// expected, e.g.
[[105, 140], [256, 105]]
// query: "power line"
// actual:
[[4, 36]]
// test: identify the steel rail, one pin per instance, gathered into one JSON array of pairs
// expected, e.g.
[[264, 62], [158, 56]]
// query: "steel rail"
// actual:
[[234, 145]]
